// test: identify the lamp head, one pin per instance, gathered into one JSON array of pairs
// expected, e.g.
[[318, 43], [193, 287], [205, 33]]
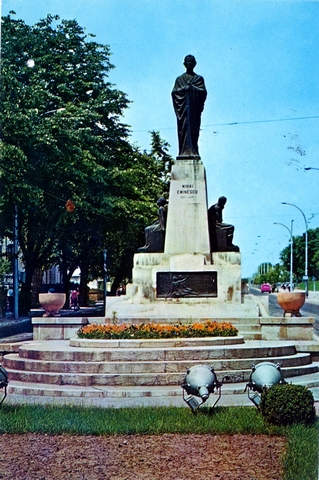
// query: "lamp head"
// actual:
[[263, 376], [200, 381], [3, 382]]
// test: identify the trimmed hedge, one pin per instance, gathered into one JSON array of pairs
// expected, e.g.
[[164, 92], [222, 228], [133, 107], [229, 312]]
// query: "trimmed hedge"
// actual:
[[287, 404]]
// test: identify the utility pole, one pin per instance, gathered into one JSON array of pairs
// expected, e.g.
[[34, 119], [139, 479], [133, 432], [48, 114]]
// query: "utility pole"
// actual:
[[291, 250], [305, 277]]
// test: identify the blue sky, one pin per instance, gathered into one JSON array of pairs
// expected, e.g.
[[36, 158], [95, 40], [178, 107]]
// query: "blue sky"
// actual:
[[260, 125]]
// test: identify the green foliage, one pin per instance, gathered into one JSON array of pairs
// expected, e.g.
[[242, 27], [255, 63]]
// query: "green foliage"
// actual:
[[287, 404], [62, 138], [274, 273], [5, 266], [299, 254], [159, 150], [313, 286], [281, 272]]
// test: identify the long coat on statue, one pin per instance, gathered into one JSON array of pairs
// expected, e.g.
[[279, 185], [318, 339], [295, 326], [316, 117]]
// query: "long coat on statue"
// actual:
[[189, 95]]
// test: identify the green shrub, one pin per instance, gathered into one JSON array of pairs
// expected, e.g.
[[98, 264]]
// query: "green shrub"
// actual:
[[287, 404]]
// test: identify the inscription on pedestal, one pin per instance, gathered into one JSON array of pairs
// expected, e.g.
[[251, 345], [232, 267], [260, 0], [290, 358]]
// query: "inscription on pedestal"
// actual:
[[187, 189], [186, 284]]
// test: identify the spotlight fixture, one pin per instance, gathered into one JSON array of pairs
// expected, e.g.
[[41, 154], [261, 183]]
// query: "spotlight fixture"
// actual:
[[200, 381], [263, 376], [3, 382]]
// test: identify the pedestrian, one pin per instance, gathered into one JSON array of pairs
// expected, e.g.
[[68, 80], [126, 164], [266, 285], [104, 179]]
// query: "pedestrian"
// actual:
[[10, 300], [74, 299]]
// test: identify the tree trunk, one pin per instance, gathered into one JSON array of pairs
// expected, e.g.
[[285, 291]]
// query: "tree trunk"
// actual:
[[84, 289], [25, 297], [115, 284], [66, 277]]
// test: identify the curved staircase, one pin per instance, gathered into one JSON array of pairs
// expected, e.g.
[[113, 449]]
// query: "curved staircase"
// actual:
[[117, 373]]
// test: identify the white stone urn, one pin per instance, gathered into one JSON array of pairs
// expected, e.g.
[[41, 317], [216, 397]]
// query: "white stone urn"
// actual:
[[52, 303], [291, 302]]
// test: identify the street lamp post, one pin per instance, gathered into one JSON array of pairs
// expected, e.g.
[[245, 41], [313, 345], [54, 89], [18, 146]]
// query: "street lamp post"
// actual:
[[291, 251], [105, 279], [15, 267], [305, 278]]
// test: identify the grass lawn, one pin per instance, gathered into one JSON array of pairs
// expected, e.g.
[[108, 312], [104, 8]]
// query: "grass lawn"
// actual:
[[300, 462]]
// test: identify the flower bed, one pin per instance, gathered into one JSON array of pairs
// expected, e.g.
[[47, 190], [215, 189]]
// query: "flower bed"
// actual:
[[156, 331]]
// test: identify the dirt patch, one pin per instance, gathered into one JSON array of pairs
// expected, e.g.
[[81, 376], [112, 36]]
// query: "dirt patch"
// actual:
[[128, 457]]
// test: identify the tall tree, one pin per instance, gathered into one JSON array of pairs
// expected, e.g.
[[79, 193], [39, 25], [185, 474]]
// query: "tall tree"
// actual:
[[62, 139], [160, 151], [299, 254]]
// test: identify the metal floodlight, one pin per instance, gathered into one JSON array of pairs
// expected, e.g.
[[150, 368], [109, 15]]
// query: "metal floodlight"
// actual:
[[3, 382], [200, 381], [263, 376]]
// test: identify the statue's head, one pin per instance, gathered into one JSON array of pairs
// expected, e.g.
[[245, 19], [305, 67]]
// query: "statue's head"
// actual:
[[161, 202], [222, 201], [189, 61]]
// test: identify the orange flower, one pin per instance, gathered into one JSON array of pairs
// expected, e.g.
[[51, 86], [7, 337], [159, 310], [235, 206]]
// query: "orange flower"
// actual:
[[207, 329]]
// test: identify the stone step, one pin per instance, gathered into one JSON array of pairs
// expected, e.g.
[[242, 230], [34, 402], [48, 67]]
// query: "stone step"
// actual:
[[156, 343], [131, 379], [15, 363], [62, 351], [143, 372], [252, 335], [134, 396]]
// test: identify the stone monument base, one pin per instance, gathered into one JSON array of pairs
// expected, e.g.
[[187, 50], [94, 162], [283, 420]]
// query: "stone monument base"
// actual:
[[170, 288]]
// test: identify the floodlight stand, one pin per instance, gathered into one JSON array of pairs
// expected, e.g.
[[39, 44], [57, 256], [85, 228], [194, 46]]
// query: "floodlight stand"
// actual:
[[194, 403]]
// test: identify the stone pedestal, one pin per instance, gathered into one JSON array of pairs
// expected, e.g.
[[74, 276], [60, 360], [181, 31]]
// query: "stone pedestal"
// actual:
[[187, 223], [142, 302], [186, 282], [290, 328], [57, 328], [225, 267]]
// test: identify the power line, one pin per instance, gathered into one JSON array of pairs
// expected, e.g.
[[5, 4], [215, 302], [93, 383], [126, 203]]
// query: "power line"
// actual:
[[238, 123], [263, 121]]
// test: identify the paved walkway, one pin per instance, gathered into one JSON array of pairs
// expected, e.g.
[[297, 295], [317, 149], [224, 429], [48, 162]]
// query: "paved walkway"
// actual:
[[10, 327], [314, 297]]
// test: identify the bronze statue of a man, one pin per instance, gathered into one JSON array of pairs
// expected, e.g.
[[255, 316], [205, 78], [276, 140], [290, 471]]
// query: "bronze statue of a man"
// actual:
[[220, 233], [189, 95], [155, 233]]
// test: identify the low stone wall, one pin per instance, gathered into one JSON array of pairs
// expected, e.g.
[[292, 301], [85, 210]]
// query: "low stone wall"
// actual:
[[287, 328], [272, 328], [57, 328]]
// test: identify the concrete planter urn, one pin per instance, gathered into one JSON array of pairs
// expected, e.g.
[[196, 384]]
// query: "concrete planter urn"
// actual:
[[291, 302], [52, 303]]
